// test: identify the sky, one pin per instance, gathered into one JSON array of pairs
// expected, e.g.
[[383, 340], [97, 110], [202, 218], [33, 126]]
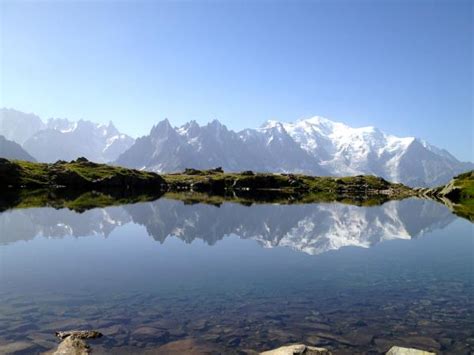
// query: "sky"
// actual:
[[403, 66]]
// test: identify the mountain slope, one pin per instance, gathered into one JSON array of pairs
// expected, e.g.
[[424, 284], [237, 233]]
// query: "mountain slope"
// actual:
[[12, 150]]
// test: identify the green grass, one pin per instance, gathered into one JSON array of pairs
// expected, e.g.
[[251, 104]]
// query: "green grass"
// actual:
[[91, 171]]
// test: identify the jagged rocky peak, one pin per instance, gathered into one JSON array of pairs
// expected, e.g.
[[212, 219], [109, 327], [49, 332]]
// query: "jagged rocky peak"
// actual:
[[161, 128], [189, 129], [111, 128], [217, 125], [61, 124], [272, 125]]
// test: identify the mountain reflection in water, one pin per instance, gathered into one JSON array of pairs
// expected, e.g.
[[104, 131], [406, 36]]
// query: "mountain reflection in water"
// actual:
[[309, 228]]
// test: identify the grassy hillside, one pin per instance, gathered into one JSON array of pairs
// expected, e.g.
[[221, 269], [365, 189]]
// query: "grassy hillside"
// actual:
[[78, 174], [461, 188], [458, 194]]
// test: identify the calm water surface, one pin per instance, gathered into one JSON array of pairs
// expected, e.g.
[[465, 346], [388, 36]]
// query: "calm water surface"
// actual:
[[163, 276]]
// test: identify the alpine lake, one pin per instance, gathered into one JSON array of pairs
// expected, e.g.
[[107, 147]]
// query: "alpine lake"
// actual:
[[174, 275]]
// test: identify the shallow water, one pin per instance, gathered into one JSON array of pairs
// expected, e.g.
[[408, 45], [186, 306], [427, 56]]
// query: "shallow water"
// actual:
[[164, 276]]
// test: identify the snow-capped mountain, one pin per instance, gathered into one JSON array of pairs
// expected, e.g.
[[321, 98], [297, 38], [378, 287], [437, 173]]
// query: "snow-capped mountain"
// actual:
[[343, 150], [314, 146], [168, 149], [62, 139], [67, 140]]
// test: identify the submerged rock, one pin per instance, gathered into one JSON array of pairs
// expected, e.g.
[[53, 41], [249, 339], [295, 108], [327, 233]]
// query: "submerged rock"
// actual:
[[297, 349], [397, 350]]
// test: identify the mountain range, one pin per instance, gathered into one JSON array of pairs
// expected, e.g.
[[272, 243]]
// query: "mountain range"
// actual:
[[311, 228], [62, 139], [316, 146]]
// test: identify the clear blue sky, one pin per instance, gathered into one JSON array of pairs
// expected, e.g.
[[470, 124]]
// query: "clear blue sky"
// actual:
[[403, 66]]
